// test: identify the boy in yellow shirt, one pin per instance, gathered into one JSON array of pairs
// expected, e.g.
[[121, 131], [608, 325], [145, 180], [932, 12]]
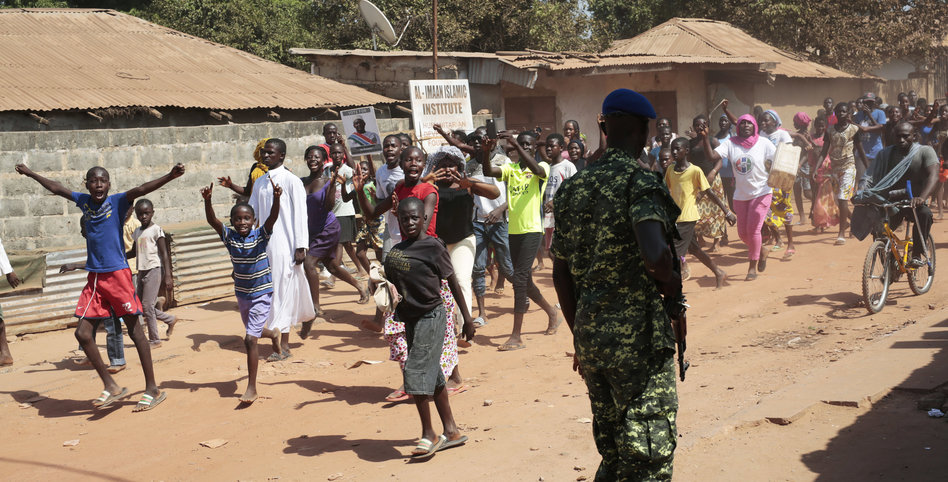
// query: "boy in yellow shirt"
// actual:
[[686, 183]]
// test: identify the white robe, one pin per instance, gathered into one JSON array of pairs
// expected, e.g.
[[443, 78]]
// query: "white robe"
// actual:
[[291, 303]]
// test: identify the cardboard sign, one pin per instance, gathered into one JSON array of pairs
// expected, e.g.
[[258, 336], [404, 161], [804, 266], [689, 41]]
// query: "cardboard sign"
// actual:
[[445, 102], [362, 131]]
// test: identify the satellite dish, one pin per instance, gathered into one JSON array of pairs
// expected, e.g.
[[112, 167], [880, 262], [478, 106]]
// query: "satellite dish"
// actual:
[[379, 24]]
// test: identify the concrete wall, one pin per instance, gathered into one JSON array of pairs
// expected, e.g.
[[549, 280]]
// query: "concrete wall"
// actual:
[[580, 97], [31, 218], [142, 118], [389, 76], [789, 96]]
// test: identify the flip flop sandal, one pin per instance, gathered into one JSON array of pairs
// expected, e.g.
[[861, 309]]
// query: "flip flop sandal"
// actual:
[[149, 402], [113, 369], [274, 357], [456, 390], [840, 241], [479, 322], [515, 346], [454, 443], [397, 396], [426, 448], [106, 398], [286, 354]]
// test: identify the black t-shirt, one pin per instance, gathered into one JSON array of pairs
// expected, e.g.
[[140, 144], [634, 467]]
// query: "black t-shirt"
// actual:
[[455, 214], [416, 268]]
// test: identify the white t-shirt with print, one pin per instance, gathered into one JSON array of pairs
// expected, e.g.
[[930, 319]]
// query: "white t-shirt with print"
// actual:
[[750, 170]]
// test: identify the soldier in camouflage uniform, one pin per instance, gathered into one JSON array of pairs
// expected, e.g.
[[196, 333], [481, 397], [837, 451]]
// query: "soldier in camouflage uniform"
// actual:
[[612, 265]]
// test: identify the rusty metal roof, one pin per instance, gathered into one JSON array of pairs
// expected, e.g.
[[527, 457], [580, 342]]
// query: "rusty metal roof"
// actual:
[[714, 39], [59, 59], [605, 62]]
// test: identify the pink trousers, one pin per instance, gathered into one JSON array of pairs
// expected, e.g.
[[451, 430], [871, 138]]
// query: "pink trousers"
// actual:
[[750, 218]]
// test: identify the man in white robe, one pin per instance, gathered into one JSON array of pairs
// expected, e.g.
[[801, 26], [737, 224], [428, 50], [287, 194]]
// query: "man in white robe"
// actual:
[[292, 303]]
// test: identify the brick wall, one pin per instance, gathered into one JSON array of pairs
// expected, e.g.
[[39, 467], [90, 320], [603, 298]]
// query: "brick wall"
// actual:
[[31, 218]]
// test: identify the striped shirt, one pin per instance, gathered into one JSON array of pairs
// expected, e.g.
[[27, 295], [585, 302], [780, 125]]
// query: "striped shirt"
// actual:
[[251, 265]]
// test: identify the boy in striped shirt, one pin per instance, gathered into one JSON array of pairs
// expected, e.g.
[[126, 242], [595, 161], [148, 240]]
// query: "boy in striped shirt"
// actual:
[[252, 280]]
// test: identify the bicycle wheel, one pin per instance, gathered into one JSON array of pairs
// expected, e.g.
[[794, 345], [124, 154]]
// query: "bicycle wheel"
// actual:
[[921, 279], [875, 277]]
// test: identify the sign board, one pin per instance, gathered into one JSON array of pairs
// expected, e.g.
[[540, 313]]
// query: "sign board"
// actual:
[[445, 102], [362, 131]]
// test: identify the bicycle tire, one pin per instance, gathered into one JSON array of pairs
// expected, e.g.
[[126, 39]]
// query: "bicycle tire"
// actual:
[[875, 271], [926, 272]]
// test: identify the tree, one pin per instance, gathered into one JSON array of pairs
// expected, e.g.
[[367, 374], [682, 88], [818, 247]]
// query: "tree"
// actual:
[[853, 35]]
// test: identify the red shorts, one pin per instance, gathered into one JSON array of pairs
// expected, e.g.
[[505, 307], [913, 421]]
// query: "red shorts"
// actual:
[[108, 290]]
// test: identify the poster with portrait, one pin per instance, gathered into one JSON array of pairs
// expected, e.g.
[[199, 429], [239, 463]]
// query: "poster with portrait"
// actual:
[[362, 131], [444, 102]]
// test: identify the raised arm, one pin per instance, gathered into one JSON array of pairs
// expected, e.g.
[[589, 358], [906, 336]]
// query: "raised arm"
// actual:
[[525, 157], [209, 211], [367, 210], [136, 192], [226, 182], [275, 210], [710, 153], [50, 185], [464, 147], [728, 113], [483, 189], [487, 148]]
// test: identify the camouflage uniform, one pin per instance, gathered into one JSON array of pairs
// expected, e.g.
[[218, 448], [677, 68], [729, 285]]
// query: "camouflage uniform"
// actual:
[[623, 338]]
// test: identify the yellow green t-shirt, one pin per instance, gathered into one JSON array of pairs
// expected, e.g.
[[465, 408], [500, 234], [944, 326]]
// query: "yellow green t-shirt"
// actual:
[[684, 187], [524, 197]]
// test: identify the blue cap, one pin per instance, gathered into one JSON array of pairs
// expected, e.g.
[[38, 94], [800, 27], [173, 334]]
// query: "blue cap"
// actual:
[[629, 102]]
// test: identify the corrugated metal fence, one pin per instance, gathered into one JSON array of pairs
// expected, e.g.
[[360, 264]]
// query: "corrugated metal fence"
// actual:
[[200, 264]]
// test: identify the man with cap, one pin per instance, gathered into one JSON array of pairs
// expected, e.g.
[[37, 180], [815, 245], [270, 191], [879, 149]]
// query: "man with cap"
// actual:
[[872, 120], [619, 285]]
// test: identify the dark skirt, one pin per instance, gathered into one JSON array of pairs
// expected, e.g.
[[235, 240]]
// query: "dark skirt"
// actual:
[[323, 244]]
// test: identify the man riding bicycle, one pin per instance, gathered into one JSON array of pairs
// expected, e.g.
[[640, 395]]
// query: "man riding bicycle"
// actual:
[[886, 177]]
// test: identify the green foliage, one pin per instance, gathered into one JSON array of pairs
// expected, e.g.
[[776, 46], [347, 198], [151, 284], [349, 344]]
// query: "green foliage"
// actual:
[[854, 35]]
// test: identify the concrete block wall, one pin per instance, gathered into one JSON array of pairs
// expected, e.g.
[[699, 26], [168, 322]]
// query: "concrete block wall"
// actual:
[[33, 219]]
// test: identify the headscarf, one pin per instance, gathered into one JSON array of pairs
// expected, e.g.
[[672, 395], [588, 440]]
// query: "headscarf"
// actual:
[[582, 147], [440, 153], [776, 117], [260, 168], [749, 141], [802, 119]]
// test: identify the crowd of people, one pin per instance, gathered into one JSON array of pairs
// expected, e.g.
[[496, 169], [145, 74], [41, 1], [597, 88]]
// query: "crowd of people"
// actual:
[[838, 144], [617, 224]]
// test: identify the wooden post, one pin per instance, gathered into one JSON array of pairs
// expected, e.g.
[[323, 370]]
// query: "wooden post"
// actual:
[[434, 39]]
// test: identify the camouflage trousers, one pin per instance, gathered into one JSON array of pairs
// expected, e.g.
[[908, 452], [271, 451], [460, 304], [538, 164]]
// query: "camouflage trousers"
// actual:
[[634, 420]]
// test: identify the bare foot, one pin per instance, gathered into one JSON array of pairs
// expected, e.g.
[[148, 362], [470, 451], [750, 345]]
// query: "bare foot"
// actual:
[[174, 320], [370, 325], [555, 321], [6, 360], [720, 277], [249, 396]]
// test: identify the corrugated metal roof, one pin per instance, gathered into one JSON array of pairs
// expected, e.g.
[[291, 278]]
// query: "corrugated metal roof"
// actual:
[[59, 59], [564, 62], [714, 39], [386, 53]]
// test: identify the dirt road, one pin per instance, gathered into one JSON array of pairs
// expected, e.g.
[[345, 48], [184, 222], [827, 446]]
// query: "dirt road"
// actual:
[[526, 412]]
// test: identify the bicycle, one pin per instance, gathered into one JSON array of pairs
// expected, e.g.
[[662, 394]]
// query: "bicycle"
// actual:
[[888, 258]]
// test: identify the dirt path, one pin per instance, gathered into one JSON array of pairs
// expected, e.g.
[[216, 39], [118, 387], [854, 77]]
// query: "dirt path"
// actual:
[[526, 411]]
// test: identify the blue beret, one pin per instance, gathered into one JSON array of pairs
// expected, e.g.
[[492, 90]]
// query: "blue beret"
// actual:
[[629, 102]]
